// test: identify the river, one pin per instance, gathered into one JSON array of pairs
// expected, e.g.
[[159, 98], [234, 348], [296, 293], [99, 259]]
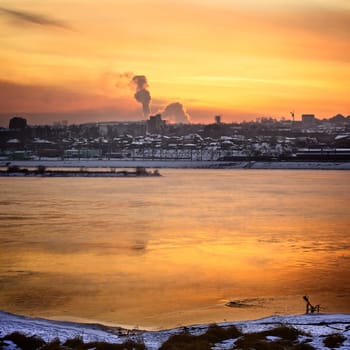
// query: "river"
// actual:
[[172, 250]]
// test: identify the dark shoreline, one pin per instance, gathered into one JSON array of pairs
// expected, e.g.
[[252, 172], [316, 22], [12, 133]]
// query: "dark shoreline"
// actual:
[[113, 164], [41, 170]]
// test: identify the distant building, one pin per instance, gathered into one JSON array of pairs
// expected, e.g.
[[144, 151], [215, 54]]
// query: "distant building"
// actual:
[[82, 153], [308, 120], [103, 130], [155, 124], [18, 123], [218, 119]]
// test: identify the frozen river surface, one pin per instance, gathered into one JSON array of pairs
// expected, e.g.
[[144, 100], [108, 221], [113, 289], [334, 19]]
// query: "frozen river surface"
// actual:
[[170, 251]]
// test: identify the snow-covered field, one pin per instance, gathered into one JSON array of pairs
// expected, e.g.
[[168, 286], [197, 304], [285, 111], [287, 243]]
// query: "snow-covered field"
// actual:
[[118, 163], [316, 327]]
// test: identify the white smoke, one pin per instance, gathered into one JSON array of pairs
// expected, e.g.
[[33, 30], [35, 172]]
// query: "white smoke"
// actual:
[[175, 112]]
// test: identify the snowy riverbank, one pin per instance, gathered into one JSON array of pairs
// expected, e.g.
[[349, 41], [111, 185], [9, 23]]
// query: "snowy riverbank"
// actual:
[[315, 329], [180, 164]]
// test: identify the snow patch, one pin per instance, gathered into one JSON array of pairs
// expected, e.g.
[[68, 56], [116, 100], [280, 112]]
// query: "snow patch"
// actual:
[[316, 326]]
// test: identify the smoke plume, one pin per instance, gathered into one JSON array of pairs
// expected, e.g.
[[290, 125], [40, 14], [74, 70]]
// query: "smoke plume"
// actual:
[[142, 95], [175, 113]]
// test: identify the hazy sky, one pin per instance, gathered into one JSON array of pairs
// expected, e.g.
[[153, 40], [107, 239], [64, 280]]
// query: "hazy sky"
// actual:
[[242, 59]]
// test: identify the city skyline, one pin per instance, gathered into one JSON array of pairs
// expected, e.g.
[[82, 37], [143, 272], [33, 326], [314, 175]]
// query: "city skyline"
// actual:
[[243, 60]]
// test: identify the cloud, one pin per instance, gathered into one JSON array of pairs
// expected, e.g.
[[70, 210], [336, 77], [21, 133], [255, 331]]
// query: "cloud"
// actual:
[[324, 22], [284, 32], [122, 79], [175, 112], [45, 104], [99, 114], [33, 18]]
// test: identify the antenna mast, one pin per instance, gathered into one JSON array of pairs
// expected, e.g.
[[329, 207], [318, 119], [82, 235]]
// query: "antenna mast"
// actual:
[[292, 114]]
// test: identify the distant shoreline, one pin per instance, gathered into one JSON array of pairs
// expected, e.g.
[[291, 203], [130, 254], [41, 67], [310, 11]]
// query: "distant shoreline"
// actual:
[[43, 171], [177, 164]]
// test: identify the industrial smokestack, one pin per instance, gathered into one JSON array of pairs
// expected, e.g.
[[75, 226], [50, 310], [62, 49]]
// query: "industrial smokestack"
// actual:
[[142, 95]]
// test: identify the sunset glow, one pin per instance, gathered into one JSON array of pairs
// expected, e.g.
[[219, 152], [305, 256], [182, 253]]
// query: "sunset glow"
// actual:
[[242, 59]]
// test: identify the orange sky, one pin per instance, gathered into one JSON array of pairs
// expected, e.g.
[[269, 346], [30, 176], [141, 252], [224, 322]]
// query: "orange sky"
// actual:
[[243, 59]]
